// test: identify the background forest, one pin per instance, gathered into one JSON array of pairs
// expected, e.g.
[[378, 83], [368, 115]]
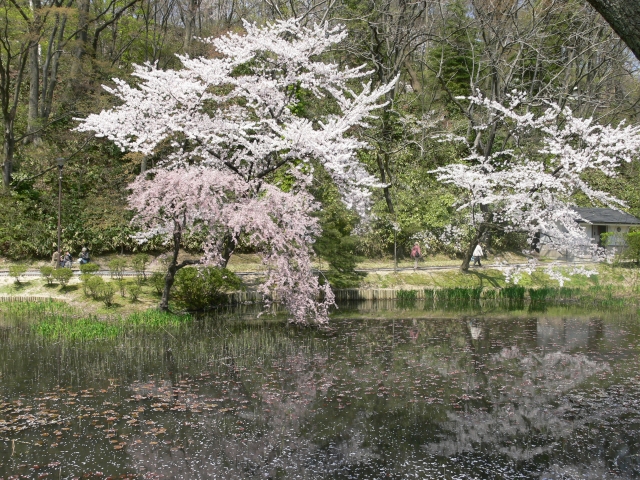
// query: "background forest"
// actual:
[[55, 55]]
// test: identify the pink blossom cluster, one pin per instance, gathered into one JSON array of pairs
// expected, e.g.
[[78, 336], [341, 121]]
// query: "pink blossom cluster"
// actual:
[[276, 223]]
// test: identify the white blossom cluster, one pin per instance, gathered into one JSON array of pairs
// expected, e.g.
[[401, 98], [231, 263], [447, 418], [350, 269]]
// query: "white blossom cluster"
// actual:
[[452, 239], [528, 186], [237, 111]]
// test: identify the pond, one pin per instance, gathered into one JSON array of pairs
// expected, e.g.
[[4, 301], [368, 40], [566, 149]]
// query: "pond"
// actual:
[[388, 392]]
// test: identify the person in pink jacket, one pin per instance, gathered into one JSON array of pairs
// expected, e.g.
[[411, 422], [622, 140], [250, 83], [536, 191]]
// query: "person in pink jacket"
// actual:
[[416, 254]]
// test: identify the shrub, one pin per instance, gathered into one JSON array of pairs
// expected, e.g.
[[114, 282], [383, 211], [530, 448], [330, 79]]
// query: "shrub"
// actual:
[[139, 263], [47, 272], [17, 271], [116, 268], [122, 286], [157, 281], [106, 293], [62, 275], [133, 289], [89, 268], [84, 278], [91, 284], [633, 245], [196, 289]]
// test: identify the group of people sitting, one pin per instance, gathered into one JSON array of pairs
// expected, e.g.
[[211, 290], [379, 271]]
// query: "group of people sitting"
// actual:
[[66, 260]]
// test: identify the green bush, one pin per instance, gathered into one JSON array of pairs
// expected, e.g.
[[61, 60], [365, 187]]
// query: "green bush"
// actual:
[[46, 273], [139, 263], [91, 284], [89, 267], [122, 286], [197, 289], [633, 245], [116, 268], [62, 275], [17, 271], [105, 293], [133, 289], [157, 281]]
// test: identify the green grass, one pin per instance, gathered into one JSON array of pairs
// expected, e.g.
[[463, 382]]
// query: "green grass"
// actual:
[[514, 292], [406, 295], [76, 329], [53, 319], [93, 327]]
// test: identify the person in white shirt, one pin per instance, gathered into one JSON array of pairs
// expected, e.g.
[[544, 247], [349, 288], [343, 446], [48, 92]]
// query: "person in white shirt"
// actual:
[[477, 254]]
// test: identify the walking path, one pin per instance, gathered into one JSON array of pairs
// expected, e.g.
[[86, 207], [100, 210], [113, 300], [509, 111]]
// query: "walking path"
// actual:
[[382, 270]]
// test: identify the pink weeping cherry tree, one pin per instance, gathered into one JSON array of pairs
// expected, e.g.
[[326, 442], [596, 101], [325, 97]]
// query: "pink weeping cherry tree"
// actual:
[[230, 128], [529, 184], [276, 223]]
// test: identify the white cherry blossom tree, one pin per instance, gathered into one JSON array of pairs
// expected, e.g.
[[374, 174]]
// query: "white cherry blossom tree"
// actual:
[[236, 117], [529, 183]]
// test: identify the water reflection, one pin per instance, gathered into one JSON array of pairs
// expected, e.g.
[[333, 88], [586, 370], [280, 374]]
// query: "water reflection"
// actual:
[[410, 393]]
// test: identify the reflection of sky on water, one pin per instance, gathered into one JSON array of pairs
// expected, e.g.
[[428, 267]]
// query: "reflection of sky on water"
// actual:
[[470, 396]]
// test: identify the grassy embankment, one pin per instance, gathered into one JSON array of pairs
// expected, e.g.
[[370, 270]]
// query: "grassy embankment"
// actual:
[[619, 282]]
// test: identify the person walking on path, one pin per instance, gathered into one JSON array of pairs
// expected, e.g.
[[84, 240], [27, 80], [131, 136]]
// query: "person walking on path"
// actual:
[[477, 253], [415, 254]]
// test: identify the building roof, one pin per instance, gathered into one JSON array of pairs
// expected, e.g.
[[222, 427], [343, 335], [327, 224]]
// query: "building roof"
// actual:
[[606, 216]]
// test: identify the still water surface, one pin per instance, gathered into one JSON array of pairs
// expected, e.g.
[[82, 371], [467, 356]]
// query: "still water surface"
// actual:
[[384, 394]]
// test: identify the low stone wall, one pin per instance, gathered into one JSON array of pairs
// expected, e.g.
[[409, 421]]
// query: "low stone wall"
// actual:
[[24, 298]]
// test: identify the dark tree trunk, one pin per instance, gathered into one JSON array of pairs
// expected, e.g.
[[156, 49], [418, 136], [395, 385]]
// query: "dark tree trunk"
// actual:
[[50, 66], [173, 267], [469, 253], [169, 278], [624, 17], [76, 76], [228, 247], [34, 93], [9, 147], [9, 114]]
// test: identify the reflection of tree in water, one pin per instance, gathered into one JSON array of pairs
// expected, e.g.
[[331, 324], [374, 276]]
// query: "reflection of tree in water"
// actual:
[[533, 415], [264, 442]]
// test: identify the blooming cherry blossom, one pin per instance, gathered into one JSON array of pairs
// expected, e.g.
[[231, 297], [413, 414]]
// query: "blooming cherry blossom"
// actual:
[[227, 123], [236, 111], [529, 186], [276, 223]]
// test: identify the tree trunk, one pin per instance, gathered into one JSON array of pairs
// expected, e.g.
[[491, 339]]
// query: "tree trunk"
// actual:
[[172, 268], [34, 92], [35, 26], [189, 24], [50, 67], [469, 253], [624, 17], [79, 51], [9, 147], [228, 247]]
